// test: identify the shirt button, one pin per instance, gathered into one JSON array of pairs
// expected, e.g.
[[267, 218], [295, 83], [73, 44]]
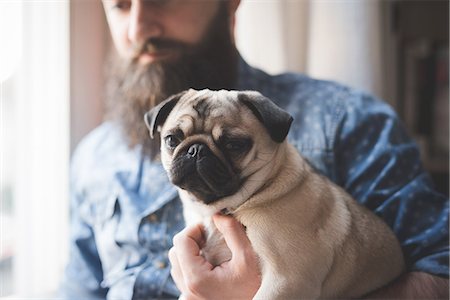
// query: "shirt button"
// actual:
[[153, 218], [160, 264]]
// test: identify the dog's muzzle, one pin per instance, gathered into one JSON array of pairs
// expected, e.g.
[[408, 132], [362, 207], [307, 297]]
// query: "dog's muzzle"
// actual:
[[197, 170]]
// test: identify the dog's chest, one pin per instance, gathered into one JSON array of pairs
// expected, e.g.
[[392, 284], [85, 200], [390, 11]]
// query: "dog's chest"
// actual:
[[194, 212]]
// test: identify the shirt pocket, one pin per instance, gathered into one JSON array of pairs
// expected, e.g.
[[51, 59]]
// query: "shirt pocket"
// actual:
[[158, 228], [114, 250], [98, 206], [152, 232]]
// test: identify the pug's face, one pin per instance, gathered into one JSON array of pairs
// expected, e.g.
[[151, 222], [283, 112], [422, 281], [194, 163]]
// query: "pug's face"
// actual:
[[212, 142]]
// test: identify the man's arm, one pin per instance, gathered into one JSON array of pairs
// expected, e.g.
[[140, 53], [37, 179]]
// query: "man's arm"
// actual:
[[380, 166]]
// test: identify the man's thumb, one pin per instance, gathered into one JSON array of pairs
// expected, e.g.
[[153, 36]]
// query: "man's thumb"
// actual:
[[233, 232]]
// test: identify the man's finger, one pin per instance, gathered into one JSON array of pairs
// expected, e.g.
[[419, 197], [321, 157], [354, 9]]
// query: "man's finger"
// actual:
[[175, 270], [187, 244], [233, 232]]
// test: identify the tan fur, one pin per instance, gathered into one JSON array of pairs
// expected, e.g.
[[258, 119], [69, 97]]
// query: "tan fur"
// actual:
[[313, 239]]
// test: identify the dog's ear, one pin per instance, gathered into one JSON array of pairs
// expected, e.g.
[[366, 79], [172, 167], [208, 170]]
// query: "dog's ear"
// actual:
[[276, 120], [158, 114]]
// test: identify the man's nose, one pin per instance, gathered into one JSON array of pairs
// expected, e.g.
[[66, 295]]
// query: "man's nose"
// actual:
[[144, 22]]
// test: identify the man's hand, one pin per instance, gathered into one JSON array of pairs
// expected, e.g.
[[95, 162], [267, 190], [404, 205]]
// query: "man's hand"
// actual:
[[196, 278], [414, 285]]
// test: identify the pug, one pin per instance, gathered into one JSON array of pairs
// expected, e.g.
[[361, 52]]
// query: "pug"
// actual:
[[226, 151]]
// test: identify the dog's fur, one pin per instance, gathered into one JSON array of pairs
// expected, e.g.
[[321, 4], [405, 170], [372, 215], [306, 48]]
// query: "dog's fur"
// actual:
[[312, 238]]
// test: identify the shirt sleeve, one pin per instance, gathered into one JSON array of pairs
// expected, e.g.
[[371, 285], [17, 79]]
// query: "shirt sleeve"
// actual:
[[83, 274], [380, 166]]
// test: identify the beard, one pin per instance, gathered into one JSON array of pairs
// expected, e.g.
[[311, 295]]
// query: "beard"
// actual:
[[133, 89]]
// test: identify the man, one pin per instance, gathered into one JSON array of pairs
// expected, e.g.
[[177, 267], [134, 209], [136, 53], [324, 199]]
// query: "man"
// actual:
[[125, 212]]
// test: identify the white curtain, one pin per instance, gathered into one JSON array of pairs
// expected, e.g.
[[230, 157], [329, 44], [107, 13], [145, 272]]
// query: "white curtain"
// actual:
[[336, 40], [41, 157]]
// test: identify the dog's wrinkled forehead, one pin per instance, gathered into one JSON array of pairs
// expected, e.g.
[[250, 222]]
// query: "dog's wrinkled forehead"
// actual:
[[205, 108]]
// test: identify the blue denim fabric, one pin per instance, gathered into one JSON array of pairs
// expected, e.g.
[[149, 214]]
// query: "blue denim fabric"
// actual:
[[125, 212]]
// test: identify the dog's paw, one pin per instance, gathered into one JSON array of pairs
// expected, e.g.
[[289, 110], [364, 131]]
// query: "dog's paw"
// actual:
[[216, 250], [216, 256]]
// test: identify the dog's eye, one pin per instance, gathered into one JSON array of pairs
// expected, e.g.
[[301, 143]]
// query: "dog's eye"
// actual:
[[235, 146], [172, 141]]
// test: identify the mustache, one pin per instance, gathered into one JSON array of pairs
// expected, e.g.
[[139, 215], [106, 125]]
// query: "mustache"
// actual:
[[158, 44]]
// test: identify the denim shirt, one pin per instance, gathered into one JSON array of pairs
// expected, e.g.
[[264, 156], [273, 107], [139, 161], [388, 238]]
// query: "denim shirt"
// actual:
[[124, 211]]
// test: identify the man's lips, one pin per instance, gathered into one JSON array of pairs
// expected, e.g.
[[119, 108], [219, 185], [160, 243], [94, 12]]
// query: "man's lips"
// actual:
[[159, 50], [149, 57]]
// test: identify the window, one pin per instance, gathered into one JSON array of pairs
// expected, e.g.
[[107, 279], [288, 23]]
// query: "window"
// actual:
[[34, 146], [6, 186]]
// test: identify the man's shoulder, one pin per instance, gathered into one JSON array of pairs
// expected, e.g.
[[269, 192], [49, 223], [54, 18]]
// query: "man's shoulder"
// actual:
[[306, 96], [321, 108], [299, 90]]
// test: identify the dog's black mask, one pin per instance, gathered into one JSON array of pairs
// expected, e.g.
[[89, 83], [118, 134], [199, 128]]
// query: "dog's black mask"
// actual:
[[199, 171]]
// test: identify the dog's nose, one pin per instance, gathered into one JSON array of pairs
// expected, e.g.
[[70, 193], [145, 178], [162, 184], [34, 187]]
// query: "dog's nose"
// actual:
[[197, 150]]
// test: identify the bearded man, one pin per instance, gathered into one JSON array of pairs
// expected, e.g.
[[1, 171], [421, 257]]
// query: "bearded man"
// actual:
[[125, 212]]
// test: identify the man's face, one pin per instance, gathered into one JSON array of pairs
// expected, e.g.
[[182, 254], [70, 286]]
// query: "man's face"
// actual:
[[173, 25]]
